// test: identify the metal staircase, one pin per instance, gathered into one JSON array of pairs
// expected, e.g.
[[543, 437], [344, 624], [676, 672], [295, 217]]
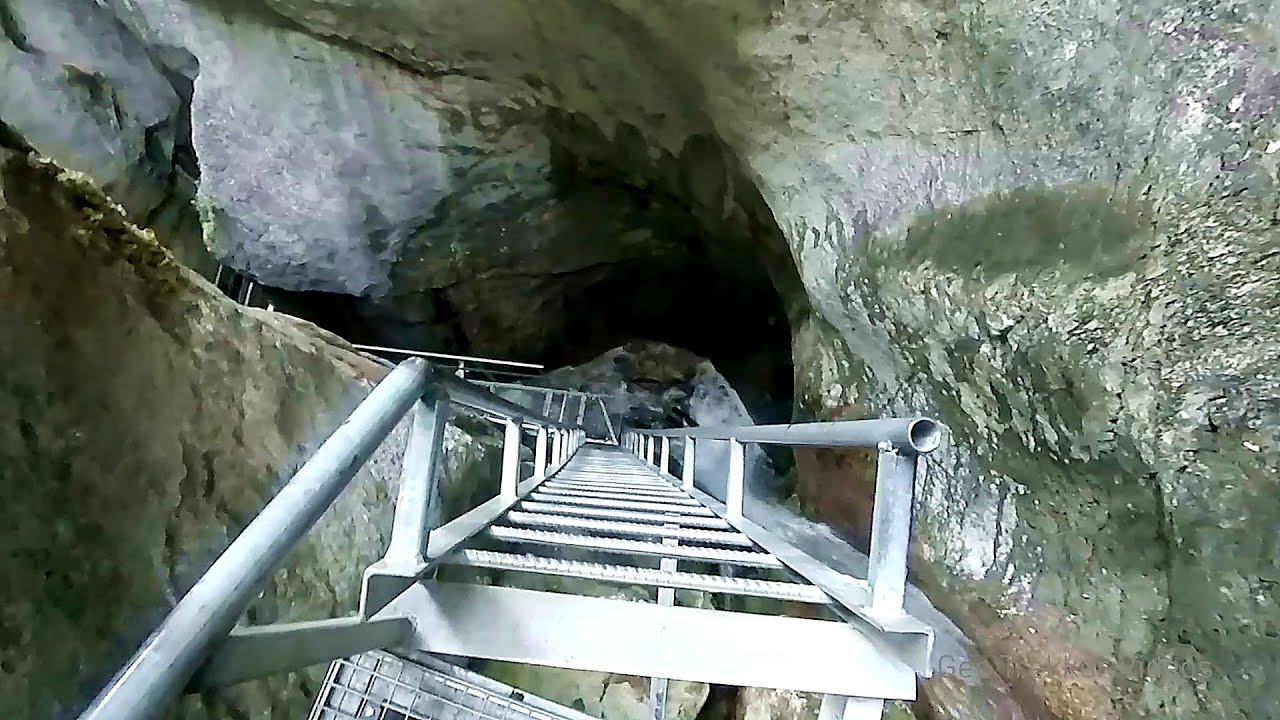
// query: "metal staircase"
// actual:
[[502, 582]]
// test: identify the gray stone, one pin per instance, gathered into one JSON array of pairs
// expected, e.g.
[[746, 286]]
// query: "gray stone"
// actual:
[[83, 89], [144, 420]]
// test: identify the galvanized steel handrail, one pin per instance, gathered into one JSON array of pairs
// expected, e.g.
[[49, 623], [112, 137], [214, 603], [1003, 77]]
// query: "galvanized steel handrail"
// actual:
[[170, 657], [448, 356], [901, 443], [919, 435], [472, 395]]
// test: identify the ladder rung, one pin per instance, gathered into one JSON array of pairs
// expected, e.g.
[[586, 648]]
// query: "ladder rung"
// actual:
[[635, 547], [624, 504], [613, 482], [623, 468], [616, 487], [632, 494], [617, 494], [620, 469], [627, 515], [628, 575], [717, 537], [607, 481]]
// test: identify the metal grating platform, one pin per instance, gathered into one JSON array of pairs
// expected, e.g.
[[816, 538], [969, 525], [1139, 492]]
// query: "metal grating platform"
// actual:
[[382, 686]]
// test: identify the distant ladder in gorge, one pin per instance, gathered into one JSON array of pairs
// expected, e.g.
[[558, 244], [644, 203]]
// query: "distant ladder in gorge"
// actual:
[[605, 509]]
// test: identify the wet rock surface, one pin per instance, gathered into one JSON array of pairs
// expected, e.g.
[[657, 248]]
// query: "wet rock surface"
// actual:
[[144, 419]]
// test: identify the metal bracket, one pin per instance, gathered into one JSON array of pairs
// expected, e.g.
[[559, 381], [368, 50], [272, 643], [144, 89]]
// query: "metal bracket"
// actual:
[[254, 652]]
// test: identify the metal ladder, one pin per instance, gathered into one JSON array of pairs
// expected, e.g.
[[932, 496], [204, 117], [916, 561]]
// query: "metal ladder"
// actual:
[[607, 511]]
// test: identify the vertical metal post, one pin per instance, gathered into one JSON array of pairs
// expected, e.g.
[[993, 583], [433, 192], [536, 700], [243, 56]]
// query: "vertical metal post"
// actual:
[[891, 529], [666, 598], [540, 453], [582, 409], [664, 457], [564, 402], [511, 458], [546, 404], [414, 503], [837, 707], [555, 447], [686, 470], [648, 449], [737, 475]]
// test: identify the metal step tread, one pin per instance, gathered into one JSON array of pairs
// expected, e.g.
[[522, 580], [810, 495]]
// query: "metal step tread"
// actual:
[[718, 537], [643, 506], [614, 494], [637, 547], [629, 575], [626, 515], [655, 491], [614, 479], [383, 686], [616, 486]]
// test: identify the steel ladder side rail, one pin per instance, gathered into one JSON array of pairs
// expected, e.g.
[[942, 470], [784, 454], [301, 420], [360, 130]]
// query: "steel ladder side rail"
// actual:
[[606, 544], [630, 575], [624, 515], [715, 537]]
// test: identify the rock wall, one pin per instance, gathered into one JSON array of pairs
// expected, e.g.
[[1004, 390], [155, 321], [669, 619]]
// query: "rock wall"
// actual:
[[144, 419], [1086, 299], [81, 88]]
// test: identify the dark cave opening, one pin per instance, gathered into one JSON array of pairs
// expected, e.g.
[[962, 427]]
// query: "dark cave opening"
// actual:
[[722, 289]]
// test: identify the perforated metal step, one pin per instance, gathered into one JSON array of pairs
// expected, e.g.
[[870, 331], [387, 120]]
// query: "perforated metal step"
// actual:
[[609, 527], [605, 483], [625, 504], [627, 575], [381, 686], [614, 494], [635, 547], [624, 515]]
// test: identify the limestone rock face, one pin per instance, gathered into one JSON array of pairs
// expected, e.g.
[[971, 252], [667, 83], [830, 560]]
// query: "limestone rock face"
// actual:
[[81, 88], [144, 420]]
